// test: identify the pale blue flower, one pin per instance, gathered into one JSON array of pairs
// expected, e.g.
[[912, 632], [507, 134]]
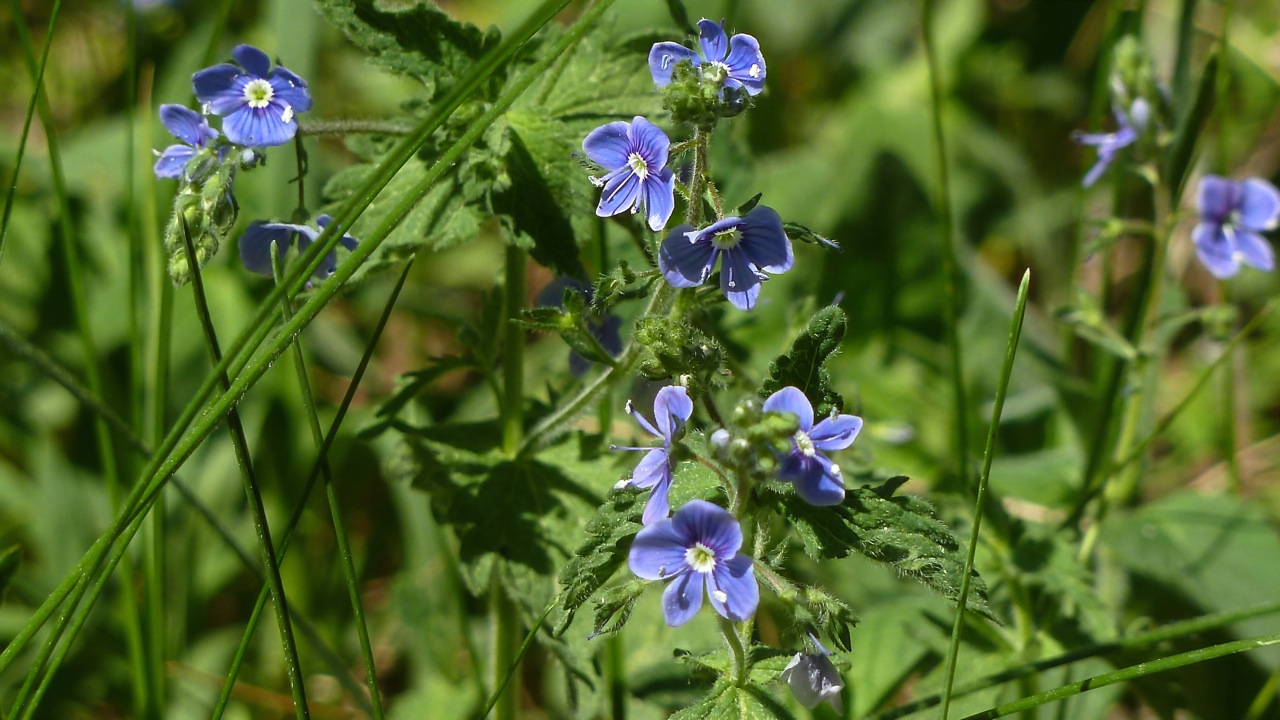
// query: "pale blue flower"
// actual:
[[1233, 216], [635, 156], [258, 103], [752, 245], [192, 129], [1130, 126], [671, 410], [736, 61], [258, 238], [816, 478]]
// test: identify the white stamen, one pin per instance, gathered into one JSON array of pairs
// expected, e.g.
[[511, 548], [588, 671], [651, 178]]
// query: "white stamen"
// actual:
[[622, 483], [666, 61], [726, 239], [287, 115], [638, 165], [835, 471], [598, 182], [628, 408], [701, 558], [754, 71], [804, 444], [721, 596], [733, 283]]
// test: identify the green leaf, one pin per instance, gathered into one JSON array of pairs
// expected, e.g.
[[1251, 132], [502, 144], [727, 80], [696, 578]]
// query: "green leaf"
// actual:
[[1190, 124], [1089, 322], [902, 531], [609, 535], [802, 364], [409, 386], [532, 209], [9, 560], [727, 702]]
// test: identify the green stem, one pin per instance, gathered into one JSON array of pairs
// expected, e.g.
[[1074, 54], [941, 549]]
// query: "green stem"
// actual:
[[736, 651], [354, 127], [506, 636], [515, 661], [1002, 389], [513, 350]]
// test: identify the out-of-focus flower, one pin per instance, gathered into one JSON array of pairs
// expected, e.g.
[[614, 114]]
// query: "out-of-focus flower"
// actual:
[[752, 245], [192, 129], [1130, 126], [608, 331], [817, 480], [734, 61], [697, 550], [257, 102], [256, 242], [1232, 217], [635, 156], [671, 410], [813, 678]]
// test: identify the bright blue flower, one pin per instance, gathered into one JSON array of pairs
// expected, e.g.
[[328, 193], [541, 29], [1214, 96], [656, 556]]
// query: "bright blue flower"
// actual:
[[1232, 217], [191, 128], [255, 245], [1130, 127], [813, 678], [671, 410], [635, 156], [697, 550], [752, 245], [736, 61], [608, 331], [817, 480], [257, 102]]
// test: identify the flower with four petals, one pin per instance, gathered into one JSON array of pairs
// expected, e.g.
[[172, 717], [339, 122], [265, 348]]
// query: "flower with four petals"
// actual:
[[1233, 216], [257, 102], [635, 156], [192, 129], [256, 242], [735, 61], [697, 551], [1129, 127], [816, 479], [671, 410], [752, 245]]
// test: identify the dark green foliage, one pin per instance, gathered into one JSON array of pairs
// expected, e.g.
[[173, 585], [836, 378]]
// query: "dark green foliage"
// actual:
[[609, 535], [530, 208], [802, 364], [730, 702], [572, 322], [1190, 125], [900, 530], [9, 560], [622, 283], [675, 349]]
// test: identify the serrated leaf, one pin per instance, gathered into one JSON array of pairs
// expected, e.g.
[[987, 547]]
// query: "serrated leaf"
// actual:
[[727, 702], [609, 534], [614, 605], [901, 531], [531, 208], [802, 365]]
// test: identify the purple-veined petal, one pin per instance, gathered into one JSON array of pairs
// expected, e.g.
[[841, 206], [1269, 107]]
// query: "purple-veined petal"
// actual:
[[663, 58], [765, 242], [746, 64], [256, 241], [1259, 204], [737, 580], [1216, 198], [649, 140], [652, 469], [1214, 249], [795, 465], [291, 89], [1253, 249], [258, 127], [252, 59], [682, 599], [658, 552], [659, 506], [709, 524], [621, 193], [835, 433], [813, 678], [173, 161], [713, 40], [685, 264], [659, 198], [792, 400], [608, 146], [822, 485], [671, 402], [738, 280], [186, 124], [220, 88], [719, 226]]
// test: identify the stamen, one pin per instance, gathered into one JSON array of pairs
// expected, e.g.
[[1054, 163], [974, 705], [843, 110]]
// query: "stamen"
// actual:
[[287, 115], [258, 93], [638, 165], [804, 444], [726, 239], [666, 61], [754, 72], [701, 558], [721, 596]]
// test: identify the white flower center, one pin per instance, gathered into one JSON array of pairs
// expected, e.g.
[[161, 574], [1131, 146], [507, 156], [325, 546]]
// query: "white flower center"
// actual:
[[754, 72], [701, 558], [258, 93], [804, 444], [638, 165], [726, 239], [715, 71]]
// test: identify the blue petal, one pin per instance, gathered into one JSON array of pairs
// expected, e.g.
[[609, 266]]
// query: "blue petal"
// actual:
[[621, 193], [183, 123], [663, 58], [659, 198], [258, 127], [792, 400], [836, 433], [658, 507], [765, 242], [1214, 249], [1259, 204], [682, 599], [738, 280], [714, 42], [746, 64], [221, 88], [173, 161], [608, 146], [609, 333], [252, 59], [822, 485], [648, 140], [653, 468], [1217, 198], [671, 409], [256, 241], [685, 264], [347, 241], [702, 522], [1253, 249], [657, 552], [291, 89], [1096, 171], [737, 580]]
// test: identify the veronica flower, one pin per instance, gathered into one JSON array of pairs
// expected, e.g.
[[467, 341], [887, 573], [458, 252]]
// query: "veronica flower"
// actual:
[[817, 480], [697, 550], [192, 129], [257, 102], [255, 245], [1130, 127], [1232, 216], [635, 156], [813, 678], [736, 61], [671, 410], [752, 245], [608, 331]]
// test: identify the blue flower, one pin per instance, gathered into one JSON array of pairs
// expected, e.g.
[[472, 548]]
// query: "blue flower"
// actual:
[[813, 678], [635, 156], [671, 410], [191, 128], [697, 550], [817, 480], [1130, 127], [736, 61], [1232, 216], [256, 242], [608, 331], [257, 103], [752, 245]]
